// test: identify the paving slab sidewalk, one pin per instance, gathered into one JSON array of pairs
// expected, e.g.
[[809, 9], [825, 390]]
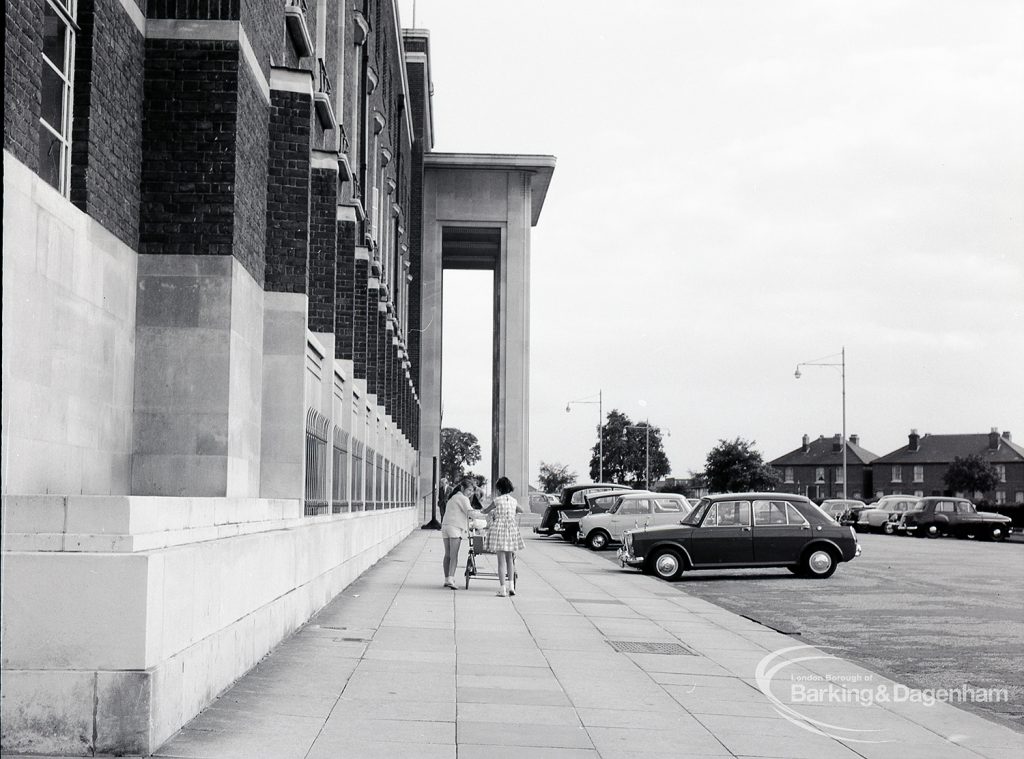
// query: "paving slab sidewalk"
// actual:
[[399, 666]]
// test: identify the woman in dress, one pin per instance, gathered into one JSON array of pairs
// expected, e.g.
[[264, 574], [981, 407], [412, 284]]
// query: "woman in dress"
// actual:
[[503, 537]]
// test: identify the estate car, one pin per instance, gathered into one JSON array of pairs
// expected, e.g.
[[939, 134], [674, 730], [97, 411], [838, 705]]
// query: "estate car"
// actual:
[[743, 530], [630, 511]]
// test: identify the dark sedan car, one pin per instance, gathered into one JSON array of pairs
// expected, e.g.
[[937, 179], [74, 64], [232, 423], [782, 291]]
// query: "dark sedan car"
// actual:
[[571, 501], [742, 530]]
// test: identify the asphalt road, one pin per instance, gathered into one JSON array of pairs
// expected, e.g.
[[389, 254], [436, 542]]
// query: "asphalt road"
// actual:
[[929, 614]]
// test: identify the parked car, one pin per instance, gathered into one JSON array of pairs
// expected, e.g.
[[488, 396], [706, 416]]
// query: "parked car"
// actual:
[[630, 511], [882, 515], [539, 502], [596, 502], [741, 530], [940, 515], [571, 498], [843, 510]]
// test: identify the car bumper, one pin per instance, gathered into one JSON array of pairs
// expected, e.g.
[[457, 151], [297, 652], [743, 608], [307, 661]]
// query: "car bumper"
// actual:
[[858, 551], [626, 559], [543, 530]]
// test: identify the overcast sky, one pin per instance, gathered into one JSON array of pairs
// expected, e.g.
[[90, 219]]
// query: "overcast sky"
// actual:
[[742, 186]]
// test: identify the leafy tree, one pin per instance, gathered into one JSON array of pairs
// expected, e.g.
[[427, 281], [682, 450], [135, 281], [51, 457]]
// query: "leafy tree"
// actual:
[[736, 466], [458, 450], [626, 452], [971, 473], [554, 477]]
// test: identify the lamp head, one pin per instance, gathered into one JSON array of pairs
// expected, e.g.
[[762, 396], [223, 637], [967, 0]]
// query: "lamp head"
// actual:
[[797, 373], [567, 408]]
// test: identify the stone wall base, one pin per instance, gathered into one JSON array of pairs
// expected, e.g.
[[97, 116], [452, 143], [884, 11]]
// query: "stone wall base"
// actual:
[[121, 626]]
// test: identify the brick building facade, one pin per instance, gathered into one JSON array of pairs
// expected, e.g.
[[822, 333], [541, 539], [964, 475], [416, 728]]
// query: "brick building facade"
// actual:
[[211, 314], [815, 469], [918, 467]]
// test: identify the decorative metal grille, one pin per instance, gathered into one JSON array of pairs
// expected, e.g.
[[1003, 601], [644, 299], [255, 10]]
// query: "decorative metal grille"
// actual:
[[317, 426]]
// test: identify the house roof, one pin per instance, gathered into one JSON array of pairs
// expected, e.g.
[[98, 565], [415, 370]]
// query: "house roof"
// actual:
[[820, 453], [942, 449]]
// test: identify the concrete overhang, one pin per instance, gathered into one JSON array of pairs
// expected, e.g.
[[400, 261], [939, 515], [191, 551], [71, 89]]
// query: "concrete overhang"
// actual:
[[541, 167]]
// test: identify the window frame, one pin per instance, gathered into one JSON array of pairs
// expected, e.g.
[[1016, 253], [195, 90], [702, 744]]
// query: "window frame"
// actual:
[[66, 13]]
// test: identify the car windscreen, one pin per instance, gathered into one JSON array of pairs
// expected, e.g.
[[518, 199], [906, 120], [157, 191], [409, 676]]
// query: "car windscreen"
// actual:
[[697, 514]]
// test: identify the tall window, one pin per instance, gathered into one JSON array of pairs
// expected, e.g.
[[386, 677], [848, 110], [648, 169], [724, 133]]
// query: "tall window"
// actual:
[[789, 474], [918, 472], [840, 478], [897, 473], [819, 474], [1001, 471], [57, 74]]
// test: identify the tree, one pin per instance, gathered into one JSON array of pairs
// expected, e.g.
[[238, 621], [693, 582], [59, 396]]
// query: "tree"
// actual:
[[458, 450], [554, 477], [735, 466], [626, 452], [970, 474]]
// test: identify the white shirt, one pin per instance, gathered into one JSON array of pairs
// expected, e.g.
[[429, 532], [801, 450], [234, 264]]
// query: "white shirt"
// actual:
[[457, 513]]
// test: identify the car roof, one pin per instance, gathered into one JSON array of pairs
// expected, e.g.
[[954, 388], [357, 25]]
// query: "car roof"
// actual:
[[594, 485], [759, 496]]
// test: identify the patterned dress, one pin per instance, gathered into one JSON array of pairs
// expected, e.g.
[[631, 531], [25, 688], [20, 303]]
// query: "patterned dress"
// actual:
[[503, 534]]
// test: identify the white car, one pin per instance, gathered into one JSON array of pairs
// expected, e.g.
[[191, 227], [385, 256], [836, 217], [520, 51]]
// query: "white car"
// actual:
[[631, 511]]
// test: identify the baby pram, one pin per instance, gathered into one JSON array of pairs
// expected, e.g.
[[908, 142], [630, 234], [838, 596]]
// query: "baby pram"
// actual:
[[478, 529]]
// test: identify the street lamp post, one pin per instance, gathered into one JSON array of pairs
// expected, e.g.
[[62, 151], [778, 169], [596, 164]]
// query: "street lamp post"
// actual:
[[600, 430], [823, 361]]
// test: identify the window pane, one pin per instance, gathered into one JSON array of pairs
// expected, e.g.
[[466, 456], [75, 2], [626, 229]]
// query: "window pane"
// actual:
[[53, 99], [49, 156], [54, 36]]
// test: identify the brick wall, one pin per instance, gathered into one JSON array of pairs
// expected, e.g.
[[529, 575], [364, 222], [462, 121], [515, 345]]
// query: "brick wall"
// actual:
[[251, 176], [344, 295], [323, 231], [106, 137], [360, 296], [189, 142], [288, 192], [23, 44]]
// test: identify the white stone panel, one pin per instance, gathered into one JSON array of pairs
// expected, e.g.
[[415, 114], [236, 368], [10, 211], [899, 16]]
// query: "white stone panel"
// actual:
[[69, 344]]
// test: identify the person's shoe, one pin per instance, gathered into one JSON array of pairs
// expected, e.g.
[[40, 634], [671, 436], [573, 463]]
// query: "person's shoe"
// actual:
[[449, 584], [502, 593]]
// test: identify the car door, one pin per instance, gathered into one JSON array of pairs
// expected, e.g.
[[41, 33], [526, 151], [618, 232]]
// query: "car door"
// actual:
[[776, 541], [724, 535], [631, 514], [667, 511]]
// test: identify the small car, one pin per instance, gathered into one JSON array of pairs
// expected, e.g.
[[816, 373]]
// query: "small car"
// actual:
[[935, 516], [571, 498], [882, 515], [631, 510], [843, 510], [744, 530], [539, 502]]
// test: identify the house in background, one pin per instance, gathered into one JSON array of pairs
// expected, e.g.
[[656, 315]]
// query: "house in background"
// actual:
[[815, 469], [918, 467]]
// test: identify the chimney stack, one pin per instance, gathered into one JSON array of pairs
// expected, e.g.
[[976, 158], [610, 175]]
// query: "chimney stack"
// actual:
[[1006, 436], [855, 439], [837, 443], [915, 440], [806, 444], [993, 439]]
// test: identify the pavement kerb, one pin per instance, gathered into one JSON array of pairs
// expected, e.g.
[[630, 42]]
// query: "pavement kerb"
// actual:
[[398, 665]]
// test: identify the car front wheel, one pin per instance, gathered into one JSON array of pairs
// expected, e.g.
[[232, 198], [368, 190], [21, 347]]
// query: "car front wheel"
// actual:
[[933, 531], [597, 540], [819, 563], [667, 564], [997, 533], [889, 528]]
